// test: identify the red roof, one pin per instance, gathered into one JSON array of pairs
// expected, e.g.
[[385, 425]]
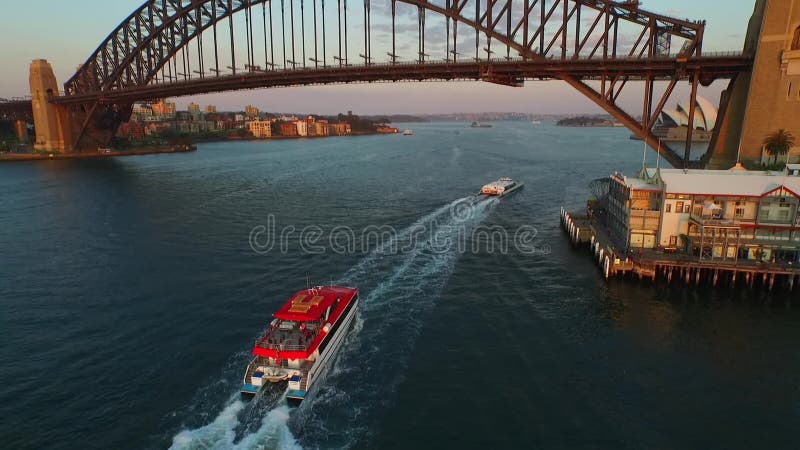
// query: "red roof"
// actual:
[[309, 305]]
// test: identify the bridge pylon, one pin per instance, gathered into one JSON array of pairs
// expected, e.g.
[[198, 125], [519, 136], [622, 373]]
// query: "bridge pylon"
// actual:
[[51, 121], [767, 98]]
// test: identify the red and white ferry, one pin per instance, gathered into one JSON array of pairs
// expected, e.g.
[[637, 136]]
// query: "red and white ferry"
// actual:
[[301, 341]]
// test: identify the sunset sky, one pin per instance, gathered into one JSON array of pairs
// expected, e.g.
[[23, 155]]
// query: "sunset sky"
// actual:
[[66, 35]]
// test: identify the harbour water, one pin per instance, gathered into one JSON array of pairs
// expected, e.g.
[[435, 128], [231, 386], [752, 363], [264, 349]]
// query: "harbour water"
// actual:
[[130, 296]]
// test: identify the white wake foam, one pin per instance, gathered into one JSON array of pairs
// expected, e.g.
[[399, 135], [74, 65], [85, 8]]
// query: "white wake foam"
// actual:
[[422, 268]]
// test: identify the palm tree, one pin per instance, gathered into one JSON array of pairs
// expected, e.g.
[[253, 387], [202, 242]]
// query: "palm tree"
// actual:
[[778, 143]]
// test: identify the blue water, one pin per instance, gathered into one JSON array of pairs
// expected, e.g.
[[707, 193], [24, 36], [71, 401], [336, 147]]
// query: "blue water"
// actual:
[[130, 296]]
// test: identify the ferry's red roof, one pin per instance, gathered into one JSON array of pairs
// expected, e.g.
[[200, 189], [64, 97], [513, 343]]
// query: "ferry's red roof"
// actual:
[[309, 305]]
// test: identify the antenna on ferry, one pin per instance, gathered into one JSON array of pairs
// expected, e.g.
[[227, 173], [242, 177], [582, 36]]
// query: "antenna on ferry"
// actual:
[[308, 282]]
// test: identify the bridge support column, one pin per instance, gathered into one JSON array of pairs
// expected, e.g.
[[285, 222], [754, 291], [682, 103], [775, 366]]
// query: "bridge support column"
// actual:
[[768, 98], [21, 129], [52, 124]]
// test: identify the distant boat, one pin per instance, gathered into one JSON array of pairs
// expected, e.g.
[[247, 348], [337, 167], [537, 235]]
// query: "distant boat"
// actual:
[[501, 187], [408, 132], [536, 122], [480, 125]]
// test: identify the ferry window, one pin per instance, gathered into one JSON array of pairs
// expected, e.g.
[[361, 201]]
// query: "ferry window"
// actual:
[[739, 212], [669, 207], [686, 209], [678, 207]]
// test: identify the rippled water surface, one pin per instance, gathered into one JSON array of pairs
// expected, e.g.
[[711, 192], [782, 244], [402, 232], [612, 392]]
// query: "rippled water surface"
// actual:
[[130, 297]]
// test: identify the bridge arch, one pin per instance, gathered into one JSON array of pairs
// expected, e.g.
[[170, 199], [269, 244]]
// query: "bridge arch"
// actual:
[[145, 41], [553, 35]]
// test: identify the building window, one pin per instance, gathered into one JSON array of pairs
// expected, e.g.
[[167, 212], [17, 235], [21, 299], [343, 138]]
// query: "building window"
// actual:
[[668, 207], [678, 207], [687, 209], [673, 240], [796, 40], [738, 212]]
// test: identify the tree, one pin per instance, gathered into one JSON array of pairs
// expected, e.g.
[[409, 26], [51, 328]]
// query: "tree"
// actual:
[[778, 144]]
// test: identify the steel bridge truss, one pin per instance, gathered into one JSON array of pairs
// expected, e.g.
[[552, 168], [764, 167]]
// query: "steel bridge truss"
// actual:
[[599, 47]]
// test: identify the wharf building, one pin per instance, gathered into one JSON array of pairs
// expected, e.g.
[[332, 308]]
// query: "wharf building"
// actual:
[[725, 215]]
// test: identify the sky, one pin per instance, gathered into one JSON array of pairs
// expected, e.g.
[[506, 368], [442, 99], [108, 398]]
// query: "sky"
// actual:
[[66, 35]]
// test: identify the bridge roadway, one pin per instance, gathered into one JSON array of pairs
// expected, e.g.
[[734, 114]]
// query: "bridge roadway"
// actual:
[[709, 67], [16, 109]]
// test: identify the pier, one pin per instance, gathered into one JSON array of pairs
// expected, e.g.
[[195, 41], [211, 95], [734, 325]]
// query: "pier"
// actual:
[[671, 264]]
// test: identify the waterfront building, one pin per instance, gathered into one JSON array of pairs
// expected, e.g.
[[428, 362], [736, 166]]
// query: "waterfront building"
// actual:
[[340, 129], [633, 211], [302, 128], [712, 214], [211, 109], [288, 129], [193, 108], [260, 128], [321, 128]]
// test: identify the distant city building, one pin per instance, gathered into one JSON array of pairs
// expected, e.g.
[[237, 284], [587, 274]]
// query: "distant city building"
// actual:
[[302, 127], [142, 109], [163, 108], [131, 130], [321, 128], [311, 129], [288, 129], [211, 109], [260, 128], [193, 108], [251, 111], [340, 129]]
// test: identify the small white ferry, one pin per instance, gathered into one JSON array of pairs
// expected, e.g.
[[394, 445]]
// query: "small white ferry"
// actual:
[[501, 187], [301, 341], [408, 132]]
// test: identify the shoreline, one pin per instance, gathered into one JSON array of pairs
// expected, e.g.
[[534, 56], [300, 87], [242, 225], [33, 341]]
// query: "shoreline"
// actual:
[[17, 157]]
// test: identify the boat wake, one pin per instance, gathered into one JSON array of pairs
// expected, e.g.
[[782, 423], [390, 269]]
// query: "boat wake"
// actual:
[[399, 281]]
